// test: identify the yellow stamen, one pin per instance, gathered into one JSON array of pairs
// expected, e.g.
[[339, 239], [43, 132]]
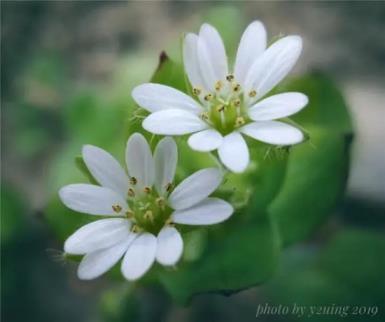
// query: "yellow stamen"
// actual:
[[130, 214], [240, 121], [253, 93], [204, 116], [116, 208], [236, 87], [147, 189], [237, 102], [230, 77], [131, 192], [135, 229], [218, 85], [208, 97], [169, 187], [133, 181], [220, 108], [196, 91]]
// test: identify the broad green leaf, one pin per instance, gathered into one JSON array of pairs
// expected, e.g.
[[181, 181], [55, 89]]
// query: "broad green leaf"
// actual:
[[315, 180], [317, 169], [242, 256]]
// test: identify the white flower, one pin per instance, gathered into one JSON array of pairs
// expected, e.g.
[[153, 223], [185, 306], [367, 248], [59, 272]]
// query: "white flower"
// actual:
[[227, 105], [142, 206]]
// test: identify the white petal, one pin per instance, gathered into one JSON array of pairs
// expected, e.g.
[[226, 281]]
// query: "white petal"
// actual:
[[206, 140], [156, 97], [165, 158], [273, 132], [278, 106], [97, 235], [140, 163], [170, 246], [252, 44], [195, 188], [273, 65], [234, 153], [139, 257], [97, 263], [208, 212], [105, 169], [173, 122], [190, 61], [206, 66], [215, 49], [91, 199]]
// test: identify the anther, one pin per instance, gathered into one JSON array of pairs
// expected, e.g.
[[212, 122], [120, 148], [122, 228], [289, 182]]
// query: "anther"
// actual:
[[135, 229], [208, 97], [239, 121], [236, 87], [169, 187], [237, 102], [218, 85], [220, 108], [133, 181], [253, 93], [160, 202], [131, 192], [204, 116], [116, 208], [147, 189], [230, 77], [129, 214], [196, 91]]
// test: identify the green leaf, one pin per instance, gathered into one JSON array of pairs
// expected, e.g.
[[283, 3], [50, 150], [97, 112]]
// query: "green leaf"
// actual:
[[234, 259], [315, 181], [169, 73], [317, 169]]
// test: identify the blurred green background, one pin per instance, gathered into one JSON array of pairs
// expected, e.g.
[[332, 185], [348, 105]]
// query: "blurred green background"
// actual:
[[67, 72]]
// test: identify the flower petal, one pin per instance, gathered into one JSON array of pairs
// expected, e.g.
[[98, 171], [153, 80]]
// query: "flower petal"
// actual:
[[195, 188], [273, 65], [273, 132], [93, 200], [165, 158], [205, 141], [173, 122], [208, 212], [190, 61], [278, 106], [140, 163], [252, 44], [234, 153], [215, 49], [139, 257], [105, 169], [97, 263], [97, 235], [170, 246], [205, 65], [156, 97]]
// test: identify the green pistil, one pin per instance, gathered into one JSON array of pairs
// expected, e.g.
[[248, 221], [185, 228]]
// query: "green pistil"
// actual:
[[149, 211], [226, 116]]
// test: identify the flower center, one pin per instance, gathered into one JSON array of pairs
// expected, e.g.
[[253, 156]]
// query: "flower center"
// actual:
[[148, 210], [225, 109]]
